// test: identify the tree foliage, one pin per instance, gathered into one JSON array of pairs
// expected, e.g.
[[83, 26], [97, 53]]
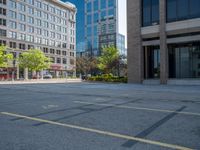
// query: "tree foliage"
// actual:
[[34, 60], [85, 65], [109, 59], [4, 58]]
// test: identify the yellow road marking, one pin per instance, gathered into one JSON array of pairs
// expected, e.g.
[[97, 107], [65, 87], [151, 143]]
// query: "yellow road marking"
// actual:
[[140, 108], [101, 132]]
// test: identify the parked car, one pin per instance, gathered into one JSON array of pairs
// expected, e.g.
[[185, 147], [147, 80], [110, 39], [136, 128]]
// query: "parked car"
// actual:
[[47, 76]]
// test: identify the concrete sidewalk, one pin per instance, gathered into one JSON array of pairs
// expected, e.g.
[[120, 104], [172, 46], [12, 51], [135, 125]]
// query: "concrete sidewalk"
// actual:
[[35, 81]]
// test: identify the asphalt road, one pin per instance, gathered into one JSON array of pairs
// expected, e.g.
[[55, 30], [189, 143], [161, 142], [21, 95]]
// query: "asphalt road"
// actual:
[[93, 116]]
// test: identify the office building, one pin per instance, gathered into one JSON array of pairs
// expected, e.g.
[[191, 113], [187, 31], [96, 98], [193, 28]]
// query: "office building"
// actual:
[[80, 29], [101, 25], [48, 25], [163, 40]]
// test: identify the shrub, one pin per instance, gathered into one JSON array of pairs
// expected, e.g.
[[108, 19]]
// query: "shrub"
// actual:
[[108, 78]]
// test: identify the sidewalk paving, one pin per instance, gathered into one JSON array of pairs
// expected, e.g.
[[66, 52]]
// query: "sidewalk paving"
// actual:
[[35, 81]]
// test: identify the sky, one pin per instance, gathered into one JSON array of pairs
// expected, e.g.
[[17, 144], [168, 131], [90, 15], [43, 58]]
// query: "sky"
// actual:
[[123, 19]]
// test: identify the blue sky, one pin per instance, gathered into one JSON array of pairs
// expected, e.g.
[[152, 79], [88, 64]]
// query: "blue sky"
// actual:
[[122, 18]]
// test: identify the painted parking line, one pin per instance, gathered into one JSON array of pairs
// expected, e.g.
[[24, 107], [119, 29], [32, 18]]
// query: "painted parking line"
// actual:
[[101, 132], [139, 108]]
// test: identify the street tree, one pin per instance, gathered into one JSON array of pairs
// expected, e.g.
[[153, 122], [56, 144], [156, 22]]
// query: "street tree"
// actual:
[[34, 60], [86, 65], [109, 60], [4, 57]]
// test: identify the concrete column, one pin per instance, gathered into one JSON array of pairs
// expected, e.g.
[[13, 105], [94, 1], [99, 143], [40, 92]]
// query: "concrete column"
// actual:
[[17, 72], [26, 73], [163, 44], [135, 52]]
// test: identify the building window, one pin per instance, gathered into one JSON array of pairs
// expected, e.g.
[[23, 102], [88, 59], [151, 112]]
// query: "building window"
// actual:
[[30, 20], [12, 14], [183, 60], [3, 11], [22, 46], [22, 27], [103, 4], [45, 50], [150, 12], [22, 17], [58, 52], [2, 22], [89, 7], [12, 45], [30, 10], [64, 61], [64, 53], [3, 32], [21, 36], [96, 5], [13, 24], [12, 34], [21, 7], [30, 29], [58, 60], [52, 51], [2, 42], [31, 2], [30, 47], [12, 4], [182, 9], [3, 2]]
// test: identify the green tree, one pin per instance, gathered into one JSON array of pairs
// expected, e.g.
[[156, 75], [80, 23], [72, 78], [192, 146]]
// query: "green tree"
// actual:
[[109, 60], [34, 60], [85, 64], [4, 58]]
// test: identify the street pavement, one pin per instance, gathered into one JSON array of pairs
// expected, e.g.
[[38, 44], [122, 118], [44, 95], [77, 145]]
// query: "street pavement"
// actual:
[[97, 116]]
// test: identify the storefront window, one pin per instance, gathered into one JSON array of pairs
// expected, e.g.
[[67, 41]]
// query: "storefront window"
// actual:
[[184, 61]]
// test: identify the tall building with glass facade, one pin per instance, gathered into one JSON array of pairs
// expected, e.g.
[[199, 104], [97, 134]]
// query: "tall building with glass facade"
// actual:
[[163, 40], [101, 25], [46, 25], [80, 29]]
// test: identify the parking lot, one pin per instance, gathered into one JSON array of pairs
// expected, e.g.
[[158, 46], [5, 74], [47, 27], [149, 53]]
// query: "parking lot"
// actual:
[[95, 116]]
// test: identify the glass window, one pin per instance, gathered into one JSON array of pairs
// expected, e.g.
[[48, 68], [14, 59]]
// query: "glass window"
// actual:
[[89, 19], [96, 5], [13, 24], [21, 7], [155, 11], [184, 61], [12, 14], [30, 20], [194, 8], [22, 17], [89, 7], [13, 4], [89, 31], [96, 17], [111, 12], [22, 27], [103, 4], [103, 15], [182, 9], [171, 10], [146, 12], [111, 3]]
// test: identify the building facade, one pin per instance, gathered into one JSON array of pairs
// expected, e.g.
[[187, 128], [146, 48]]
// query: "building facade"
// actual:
[[43, 24], [101, 25], [80, 29], [163, 40]]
